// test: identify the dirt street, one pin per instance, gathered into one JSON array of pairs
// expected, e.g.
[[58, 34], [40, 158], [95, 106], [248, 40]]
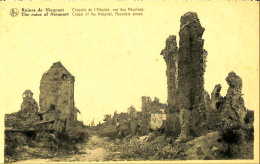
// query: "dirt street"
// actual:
[[93, 150]]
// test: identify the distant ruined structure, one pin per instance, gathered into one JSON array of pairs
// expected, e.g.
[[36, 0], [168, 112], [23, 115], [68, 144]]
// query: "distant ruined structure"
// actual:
[[29, 106], [149, 107], [57, 95]]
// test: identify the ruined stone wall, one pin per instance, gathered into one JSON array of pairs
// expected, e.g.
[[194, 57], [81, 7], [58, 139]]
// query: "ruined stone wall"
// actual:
[[132, 119], [216, 99], [233, 109], [76, 111], [157, 120], [28, 107], [57, 93], [145, 111], [191, 62], [185, 76], [171, 56]]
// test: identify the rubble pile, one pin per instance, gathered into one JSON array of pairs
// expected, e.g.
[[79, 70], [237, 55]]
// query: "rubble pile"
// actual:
[[151, 147], [109, 131], [157, 146], [31, 145]]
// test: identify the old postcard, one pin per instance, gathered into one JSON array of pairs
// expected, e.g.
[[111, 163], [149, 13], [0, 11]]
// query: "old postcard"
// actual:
[[129, 81]]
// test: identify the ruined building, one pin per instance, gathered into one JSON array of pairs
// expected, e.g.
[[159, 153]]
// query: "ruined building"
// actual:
[[29, 106], [187, 98], [27, 115], [132, 119], [57, 95], [150, 107]]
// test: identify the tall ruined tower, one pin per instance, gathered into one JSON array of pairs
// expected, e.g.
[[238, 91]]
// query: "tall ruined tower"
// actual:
[[171, 57], [191, 62], [185, 75], [57, 93], [186, 66]]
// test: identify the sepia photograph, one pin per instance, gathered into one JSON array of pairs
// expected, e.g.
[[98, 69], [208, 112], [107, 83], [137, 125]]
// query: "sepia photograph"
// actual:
[[162, 81]]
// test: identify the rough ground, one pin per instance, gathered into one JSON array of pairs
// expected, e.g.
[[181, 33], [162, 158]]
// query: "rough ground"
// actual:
[[207, 147], [93, 150]]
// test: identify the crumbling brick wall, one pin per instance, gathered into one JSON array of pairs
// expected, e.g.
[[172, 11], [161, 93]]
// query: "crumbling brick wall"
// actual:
[[57, 93]]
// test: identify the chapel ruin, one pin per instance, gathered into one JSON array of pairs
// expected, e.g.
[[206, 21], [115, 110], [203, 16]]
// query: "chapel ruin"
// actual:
[[185, 83], [57, 95]]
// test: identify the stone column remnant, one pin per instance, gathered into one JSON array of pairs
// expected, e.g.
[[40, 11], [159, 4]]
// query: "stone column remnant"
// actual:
[[146, 111], [191, 68], [170, 55], [191, 62], [185, 75]]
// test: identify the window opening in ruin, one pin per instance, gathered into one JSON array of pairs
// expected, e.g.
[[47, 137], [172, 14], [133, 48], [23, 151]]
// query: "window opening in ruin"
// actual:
[[217, 94], [64, 76], [41, 117], [218, 105], [52, 107]]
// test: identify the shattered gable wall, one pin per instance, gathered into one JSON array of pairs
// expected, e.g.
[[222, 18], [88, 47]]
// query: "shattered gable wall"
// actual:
[[57, 93]]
